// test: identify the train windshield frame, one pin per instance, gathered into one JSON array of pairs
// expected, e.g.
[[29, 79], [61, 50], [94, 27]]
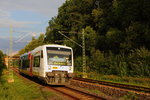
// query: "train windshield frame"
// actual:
[[59, 56]]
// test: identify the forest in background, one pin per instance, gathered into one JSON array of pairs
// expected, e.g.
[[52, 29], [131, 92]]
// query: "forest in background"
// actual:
[[117, 35]]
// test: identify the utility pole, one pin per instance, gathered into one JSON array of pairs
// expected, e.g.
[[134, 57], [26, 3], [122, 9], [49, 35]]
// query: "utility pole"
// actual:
[[83, 54], [11, 79], [83, 50]]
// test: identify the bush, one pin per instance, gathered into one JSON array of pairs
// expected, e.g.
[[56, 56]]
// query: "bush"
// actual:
[[97, 62], [1, 62], [139, 62], [135, 64], [78, 64]]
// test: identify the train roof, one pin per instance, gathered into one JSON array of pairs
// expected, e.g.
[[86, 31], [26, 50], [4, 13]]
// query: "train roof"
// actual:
[[47, 45], [50, 45], [56, 45]]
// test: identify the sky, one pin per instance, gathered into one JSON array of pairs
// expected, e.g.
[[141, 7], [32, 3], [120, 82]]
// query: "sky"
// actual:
[[26, 18]]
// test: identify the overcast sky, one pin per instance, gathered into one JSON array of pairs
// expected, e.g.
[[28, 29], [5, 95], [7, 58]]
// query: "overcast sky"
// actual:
[[27, 17]]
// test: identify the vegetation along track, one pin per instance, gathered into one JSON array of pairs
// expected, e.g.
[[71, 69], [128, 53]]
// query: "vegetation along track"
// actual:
[[118, 85], [68, 92]]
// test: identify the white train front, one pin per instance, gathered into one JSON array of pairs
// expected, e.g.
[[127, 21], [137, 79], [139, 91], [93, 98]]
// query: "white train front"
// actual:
[[52, 64]]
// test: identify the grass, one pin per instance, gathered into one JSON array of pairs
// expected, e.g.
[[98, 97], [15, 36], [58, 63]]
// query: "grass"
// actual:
[[145, 82], [24, 90], [129, 96]]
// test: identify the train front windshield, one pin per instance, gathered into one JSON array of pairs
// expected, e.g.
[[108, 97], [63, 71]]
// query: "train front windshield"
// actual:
[[59, 56]]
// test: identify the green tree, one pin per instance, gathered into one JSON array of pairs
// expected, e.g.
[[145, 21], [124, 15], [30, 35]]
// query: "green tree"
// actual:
[[113, 39], [139, 62], [98, 62], [90, 40], [2, 66]]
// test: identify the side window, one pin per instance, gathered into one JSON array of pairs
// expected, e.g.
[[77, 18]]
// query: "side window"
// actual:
[[41, 53], [25, 63], [37, 61]]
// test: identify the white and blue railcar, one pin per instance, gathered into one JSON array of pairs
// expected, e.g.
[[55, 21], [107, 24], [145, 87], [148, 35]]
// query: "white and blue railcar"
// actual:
[[52, 64]]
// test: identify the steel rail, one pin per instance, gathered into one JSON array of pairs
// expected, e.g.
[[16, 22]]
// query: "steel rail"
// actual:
[[118, 85]]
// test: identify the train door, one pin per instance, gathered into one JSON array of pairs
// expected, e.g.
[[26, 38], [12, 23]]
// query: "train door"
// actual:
[[36, 65], [31, 65], [41, 64]]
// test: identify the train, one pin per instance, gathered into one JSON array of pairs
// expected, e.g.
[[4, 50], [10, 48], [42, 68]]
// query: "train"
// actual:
[[52, 64]]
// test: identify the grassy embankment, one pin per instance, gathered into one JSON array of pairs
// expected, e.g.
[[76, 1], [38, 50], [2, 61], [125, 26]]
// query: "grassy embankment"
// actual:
[[23, 90], [145, 82]]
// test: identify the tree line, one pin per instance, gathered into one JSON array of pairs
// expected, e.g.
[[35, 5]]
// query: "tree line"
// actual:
[[117, 35], [2, 66]]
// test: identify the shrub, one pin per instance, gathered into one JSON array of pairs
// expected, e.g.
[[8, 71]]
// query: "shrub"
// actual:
[[139, 62]]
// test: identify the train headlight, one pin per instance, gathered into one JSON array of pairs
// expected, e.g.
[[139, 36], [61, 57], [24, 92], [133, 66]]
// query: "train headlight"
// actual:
[[49, 68]]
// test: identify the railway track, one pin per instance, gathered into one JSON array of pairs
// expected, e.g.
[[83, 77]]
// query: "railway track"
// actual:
[[76, 94], [118, 85], [68, 92]]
